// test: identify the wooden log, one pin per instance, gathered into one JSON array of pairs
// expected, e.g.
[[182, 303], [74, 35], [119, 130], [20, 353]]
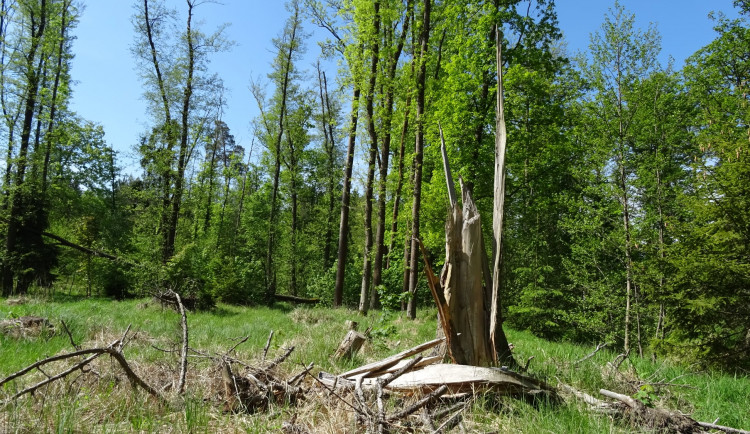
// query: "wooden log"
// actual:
[[294, 299], [464, 378], [350, 345], [379, 366]]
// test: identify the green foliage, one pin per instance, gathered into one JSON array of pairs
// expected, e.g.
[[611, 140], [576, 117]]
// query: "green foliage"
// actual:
[[646, 394]]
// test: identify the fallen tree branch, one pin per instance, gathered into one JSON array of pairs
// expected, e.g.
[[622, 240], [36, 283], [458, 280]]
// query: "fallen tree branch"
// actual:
[[33, 366], [49, 379], [419, 404], [184, 350], [392, 360], [279, 360], [70, 335], [268, 345], [451, 421], [295, 299], [663, 419], [723, 428], [114, 350], [598, 348]]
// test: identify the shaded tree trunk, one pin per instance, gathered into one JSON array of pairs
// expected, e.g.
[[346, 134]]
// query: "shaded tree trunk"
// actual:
[[329, 144], [284, 85], [399, 186], [37, 26], [377, 273], [338, 292], [184, 127], [372, 132], [418, 158]]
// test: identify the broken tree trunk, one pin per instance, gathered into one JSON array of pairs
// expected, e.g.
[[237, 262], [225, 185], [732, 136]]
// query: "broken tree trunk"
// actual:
[[461, 280], [464, 293], [498, 339]]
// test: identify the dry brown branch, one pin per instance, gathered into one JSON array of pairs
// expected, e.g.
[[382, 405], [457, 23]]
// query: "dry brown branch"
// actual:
[[451, 421], [184, 350], [387, 380], [70, 335], [332, 391], [419, 404], [234, 347], [268, 345], [297, 378], [279, 360], [390, 361], [53, 359], [592, 354], [53, 378], [427, 420], [134, 379], [593, 402], [620, 359], [723, 428], [114, 350], [525, 368]]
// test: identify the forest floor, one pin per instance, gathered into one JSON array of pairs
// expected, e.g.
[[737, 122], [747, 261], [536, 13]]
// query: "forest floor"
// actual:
[[103, 401]]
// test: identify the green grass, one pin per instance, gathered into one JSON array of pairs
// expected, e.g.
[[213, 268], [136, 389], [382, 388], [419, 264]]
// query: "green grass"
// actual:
[[104, 402]]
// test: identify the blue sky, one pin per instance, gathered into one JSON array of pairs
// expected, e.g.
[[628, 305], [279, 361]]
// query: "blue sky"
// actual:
[[108, 90]]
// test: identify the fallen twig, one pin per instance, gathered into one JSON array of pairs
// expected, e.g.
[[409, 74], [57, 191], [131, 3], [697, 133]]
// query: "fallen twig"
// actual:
[[56, 377], [419, 404], [723, 428], [184, 351], [451, 421], [114, 350], [70, 335], [592, 354], [234, 347], [268, 345], [279, 360]]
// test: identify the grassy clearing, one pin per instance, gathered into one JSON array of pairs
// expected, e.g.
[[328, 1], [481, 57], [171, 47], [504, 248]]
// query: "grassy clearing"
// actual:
[[102, 401]]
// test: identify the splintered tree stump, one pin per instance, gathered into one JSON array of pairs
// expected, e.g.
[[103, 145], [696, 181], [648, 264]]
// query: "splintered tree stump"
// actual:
[[350, 345]]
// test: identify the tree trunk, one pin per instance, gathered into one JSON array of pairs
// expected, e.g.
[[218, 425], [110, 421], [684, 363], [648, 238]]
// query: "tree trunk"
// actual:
[[377, 272], [55, 89], [15, 215], [364, 294], [210, 193], [418, 159], [329, 146], [399, 184], [338, 292], [183, 155], [287, 64], [497, 337]]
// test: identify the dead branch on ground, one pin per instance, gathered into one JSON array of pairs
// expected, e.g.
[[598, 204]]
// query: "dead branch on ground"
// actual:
[[114, 350]]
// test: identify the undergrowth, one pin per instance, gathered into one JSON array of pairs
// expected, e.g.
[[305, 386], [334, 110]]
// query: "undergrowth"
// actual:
[[102, 400]]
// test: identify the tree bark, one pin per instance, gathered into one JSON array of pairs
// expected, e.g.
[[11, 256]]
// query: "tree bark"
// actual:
[[497, 337], [364, 294], [418, 158], [377, 272], [286, 67], [15, 216], [399, 185], [184, 131], [338, 292], [329, 144]]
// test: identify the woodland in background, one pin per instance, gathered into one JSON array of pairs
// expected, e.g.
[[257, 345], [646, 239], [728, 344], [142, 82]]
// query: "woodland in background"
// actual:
[[627, 209]]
